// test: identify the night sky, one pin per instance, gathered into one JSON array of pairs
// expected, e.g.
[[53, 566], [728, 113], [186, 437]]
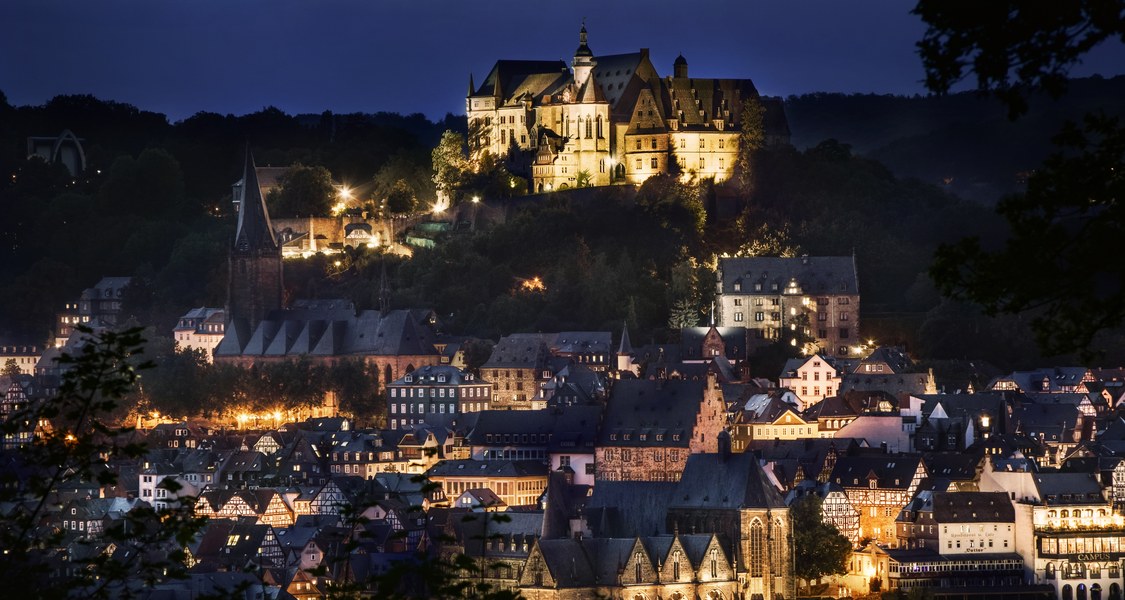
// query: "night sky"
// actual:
[[238, 56]]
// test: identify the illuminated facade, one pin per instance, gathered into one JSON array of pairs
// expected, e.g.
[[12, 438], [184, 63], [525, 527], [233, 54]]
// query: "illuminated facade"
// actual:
[[796, 298], [610, 119]]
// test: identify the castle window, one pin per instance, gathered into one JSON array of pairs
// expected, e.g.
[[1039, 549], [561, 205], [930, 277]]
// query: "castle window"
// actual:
[[638, 143], [654, 162], [738, 317], [654, 143], [721, 144]]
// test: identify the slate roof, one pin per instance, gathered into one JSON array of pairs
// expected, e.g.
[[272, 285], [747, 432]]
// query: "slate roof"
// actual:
[[651, 408], [891, 471], [814, 274], [971, 507], [330, 330], [491, 468], [520, 350], [1068, 488], [629, 508], [725, 481]]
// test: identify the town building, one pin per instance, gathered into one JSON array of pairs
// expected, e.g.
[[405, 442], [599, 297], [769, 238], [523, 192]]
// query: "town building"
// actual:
[[791, 299], [23, 356], [610, 119], [879, 486], [812, 378], [200, 329], [435, 395], [515, 482], [652, 426], [517, 366], [97, 306]]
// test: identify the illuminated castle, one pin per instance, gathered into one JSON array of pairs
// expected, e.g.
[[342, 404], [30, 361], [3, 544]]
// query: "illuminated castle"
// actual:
[[610, 119]]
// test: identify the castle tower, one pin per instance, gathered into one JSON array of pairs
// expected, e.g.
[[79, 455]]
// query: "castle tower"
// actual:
[[625, 351], [254, 285], [583, 60], [679, 68]]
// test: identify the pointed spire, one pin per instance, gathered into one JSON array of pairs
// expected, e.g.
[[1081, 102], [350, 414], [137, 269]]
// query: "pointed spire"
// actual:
[[472, 88], [254, 231], [931, 383], [626, 347], [497, 91]]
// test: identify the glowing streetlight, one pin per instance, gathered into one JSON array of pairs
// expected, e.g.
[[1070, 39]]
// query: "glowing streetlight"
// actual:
[[476, 199], [346, 193]]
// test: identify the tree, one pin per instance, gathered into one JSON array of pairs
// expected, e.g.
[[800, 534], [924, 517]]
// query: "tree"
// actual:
[[11, 369], [1057, 261], [684, 314], [751, 137], [74, 440], [400, 198], [450, 164], [305, 191], [819, 548]]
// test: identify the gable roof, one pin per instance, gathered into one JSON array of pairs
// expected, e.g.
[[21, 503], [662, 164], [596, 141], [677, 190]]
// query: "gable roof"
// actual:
[[725, 481]]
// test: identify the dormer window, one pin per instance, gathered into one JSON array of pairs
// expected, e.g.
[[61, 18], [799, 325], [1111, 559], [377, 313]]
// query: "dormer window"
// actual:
[[409, 379]]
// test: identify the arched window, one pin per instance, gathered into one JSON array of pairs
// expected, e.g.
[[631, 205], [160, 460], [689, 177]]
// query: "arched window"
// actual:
[[600, 134], [756, 535], [1096, 592], [714, 563], [588, 132], [637, 567], [676, 566], [1114, 591], [1082, 591], [1067, 592], [777, 557]]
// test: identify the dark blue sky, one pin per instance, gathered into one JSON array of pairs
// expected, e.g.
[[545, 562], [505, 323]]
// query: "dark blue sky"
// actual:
[[237, 56]]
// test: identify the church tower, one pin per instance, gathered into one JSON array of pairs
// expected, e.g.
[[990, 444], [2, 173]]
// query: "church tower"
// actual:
[[254, 286], [583, 60]]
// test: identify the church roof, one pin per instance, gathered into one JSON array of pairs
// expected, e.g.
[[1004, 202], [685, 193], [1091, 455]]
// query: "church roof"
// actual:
[[725, 481], [254, 231]]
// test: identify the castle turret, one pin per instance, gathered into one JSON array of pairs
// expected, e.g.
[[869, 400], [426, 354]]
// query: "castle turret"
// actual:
[[583, 60], [679, 68]]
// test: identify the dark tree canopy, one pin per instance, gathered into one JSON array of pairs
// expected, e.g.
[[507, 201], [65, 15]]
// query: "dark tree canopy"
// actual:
[[819, 550], [1058, 262], [305, 191], [1012, 47]]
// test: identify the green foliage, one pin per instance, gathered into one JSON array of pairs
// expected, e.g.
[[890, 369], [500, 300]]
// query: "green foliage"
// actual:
[[449, 162], [305, 191], [76, 445], [1064, 228], [401, 199], [819, 549], [1066, 225], [751, 138], [1012, 48]]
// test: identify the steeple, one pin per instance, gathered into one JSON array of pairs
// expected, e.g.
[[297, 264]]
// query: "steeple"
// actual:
[[583, 60], [254, 285], [472, 88], [626, 347], [254, 232]]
